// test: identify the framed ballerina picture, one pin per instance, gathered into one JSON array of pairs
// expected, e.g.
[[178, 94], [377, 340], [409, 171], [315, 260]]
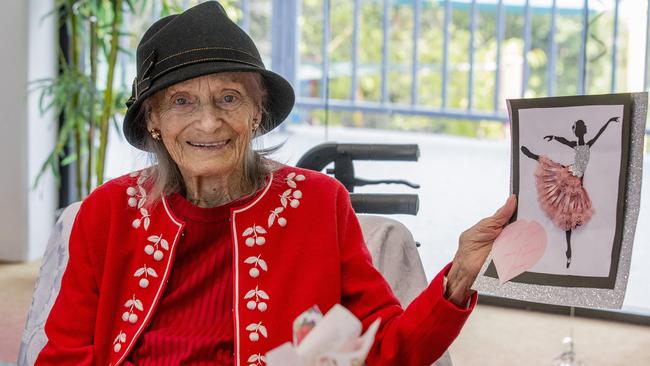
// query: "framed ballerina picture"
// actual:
[[578, 192]]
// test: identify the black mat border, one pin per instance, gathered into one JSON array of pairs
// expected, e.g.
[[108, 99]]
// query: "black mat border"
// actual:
[[626, 100]]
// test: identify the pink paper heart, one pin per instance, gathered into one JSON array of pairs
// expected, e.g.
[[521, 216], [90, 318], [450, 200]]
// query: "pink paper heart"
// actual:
[[519, 246]]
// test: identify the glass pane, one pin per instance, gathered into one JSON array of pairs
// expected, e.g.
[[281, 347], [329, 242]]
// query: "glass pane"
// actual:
[[568, 37], [600, 47], [538, 57], [430, 54], [340, 48], [485, 53]]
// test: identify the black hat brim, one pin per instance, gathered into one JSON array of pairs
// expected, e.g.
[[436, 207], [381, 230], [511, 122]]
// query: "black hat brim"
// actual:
[[280, 100]]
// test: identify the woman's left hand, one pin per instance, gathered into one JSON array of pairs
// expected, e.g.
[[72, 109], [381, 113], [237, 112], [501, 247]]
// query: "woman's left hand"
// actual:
[[474, 246]]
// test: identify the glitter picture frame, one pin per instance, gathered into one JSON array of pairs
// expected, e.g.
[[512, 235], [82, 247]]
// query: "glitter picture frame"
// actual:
[[601, 285]]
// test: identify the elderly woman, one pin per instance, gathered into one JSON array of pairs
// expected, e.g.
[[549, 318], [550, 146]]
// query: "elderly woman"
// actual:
[[207, 257]]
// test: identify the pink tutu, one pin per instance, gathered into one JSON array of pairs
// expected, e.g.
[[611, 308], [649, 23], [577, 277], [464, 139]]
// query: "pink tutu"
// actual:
[[561, 195]]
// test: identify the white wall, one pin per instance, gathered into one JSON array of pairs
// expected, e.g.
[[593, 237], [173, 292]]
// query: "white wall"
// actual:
[[28, 52]]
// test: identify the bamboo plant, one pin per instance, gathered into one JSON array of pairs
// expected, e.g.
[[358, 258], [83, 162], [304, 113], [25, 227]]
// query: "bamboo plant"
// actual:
[[85, 107], [85, 93]]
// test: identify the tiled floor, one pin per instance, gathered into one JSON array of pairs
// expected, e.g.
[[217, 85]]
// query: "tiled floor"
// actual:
[[495, 336], [16, 286]]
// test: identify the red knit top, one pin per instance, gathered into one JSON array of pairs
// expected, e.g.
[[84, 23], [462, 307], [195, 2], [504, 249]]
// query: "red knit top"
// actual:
[[194, 323]]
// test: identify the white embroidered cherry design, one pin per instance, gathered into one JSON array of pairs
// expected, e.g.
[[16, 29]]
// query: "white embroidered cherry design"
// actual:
[[130, 315], [142, 174], [275, 214], [253, 235], [256, 261], [258, 294], [153, 249], [256, 360], [137, 196], [146, 271], [292, 199], [117, 343], [287, 198], [255, 330], [142, 177], [142, 220], [292, 178]]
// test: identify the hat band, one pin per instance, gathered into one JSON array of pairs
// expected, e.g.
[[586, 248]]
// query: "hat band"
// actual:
[[156, 69]]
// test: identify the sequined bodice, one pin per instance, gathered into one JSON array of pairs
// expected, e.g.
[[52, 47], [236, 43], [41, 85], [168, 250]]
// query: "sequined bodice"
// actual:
[[581, 160]]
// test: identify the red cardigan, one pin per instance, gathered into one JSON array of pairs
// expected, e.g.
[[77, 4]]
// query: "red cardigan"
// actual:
[[193, 322], [298, 243]]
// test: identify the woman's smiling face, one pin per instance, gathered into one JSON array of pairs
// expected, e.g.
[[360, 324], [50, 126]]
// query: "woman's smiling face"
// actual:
[[206, 123]]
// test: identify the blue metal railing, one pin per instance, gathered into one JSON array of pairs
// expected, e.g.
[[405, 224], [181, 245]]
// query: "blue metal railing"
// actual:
[[472, 47], [384, 51], [552, 46], [527, 36], [246, 15], [355, 50], [445, 59], [614, 46], [286, 57], [325, 52], [501, 33], [415, 62], [444, 109], [582, 61]]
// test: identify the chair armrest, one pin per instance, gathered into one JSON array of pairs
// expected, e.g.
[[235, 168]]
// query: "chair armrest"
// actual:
[[395, 255], [47, 286]]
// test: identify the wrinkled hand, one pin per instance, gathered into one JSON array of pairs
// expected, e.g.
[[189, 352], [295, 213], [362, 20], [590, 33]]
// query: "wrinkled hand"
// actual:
[[474, 245], [548, 137]]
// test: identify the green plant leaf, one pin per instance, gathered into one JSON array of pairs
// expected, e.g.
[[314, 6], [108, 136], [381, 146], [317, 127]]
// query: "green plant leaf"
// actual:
[[69, 159], [116, 126], [125, 51], [129, 3], [42, 170]]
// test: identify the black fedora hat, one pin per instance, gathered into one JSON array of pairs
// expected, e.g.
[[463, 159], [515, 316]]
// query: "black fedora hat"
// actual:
[[200, 41]]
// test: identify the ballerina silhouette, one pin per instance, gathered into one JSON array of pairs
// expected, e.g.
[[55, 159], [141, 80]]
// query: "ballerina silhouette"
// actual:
[[560, 191]]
